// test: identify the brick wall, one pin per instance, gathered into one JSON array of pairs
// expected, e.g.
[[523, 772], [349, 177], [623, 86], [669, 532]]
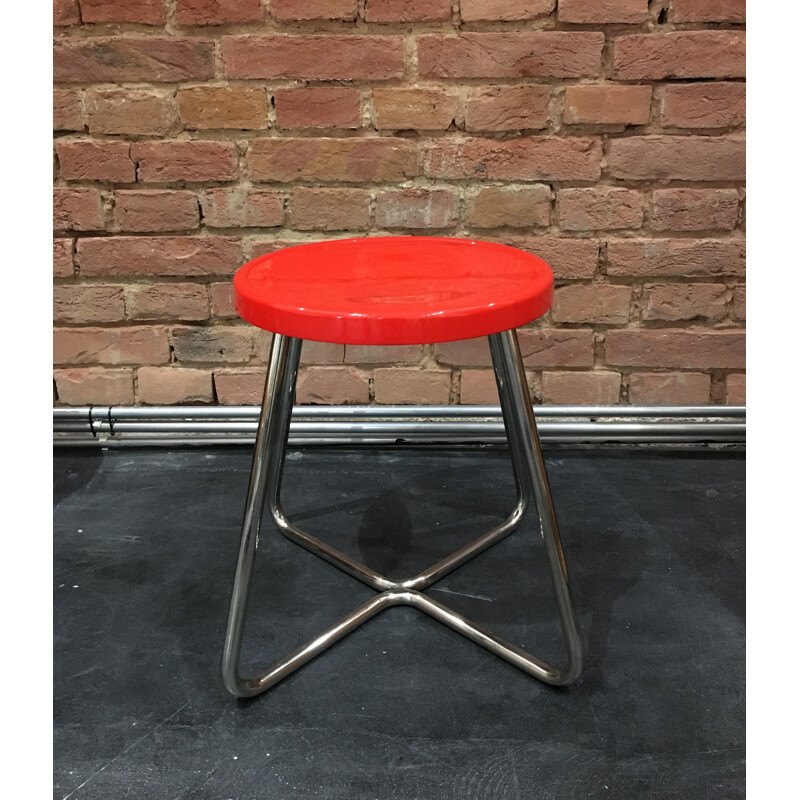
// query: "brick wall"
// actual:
[[605, 136]]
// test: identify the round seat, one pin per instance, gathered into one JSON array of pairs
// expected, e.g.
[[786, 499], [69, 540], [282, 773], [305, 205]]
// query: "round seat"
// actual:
[[393, 290]]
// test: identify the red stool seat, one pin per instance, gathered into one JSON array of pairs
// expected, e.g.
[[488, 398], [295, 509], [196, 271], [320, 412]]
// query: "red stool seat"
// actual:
[[393, 290]]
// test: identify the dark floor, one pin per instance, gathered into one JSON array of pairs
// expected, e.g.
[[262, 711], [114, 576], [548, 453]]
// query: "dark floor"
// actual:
[[145, 544]]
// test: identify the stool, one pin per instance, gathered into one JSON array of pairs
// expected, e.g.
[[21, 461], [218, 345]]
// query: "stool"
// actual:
[[389, 291]]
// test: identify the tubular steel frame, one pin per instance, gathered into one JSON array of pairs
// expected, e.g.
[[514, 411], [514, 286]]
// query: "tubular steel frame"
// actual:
[[265, 484]]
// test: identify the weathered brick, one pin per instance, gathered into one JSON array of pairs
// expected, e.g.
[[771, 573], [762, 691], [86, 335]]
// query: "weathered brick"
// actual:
[[77, 210], [532, 158], [684, 301], [145, 12], [383, 354], [669, 388], [422, 109], [509, 206], [465, 352], [221, 344], [329, 209], [694, 209], [62, 258], [96, 161], [314, 57], [159, 255], [684, 258], [218, 12], [222, 299], [399, 385], [84, 304], [239, 387], [332, 385], [289, 10], [130, 111], [736, 390], [602, 12], [596, 388], [688, 158], [238, 107], [123, 60], [318, 107], [479, 388], [507, 108], [350, 160], [528, 54], [136, 345], [167, 301], [407, 10], [416, 208], [600, 208], [704, 105], [598, 303], [66, 12], [680, 54], [551, 347], [242, 208], [166, 386], [94, 386], [708, 11], [504, 10], [185, 161], [67, 113], [144, 211], [568, 258], [681, 349], [607, 105], [314, 352], [740, 302]]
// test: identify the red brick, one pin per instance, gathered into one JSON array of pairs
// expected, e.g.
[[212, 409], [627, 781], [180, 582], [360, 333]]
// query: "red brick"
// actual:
[[62, 258], [93, 386], [218, 12], [416, 208], [318, 107], [239, 387], [669, 388], [222, 299], [551, 347], [351, 160], [681, 349], [407, 10], [684, 301], [680, 54], [740, 303], [145, 12], [534, 158], [688, 158], [607, 105], [126, 59], [568, 258], [242, 208], [137, 345], [167, 301], [600, 208], [96, 161], [185, 161], [398, 385], [683, 258], [77, 210], [66, 12], [166, 386], [596, 388], [265, 246], [383, 354], [507, 108], [88, 304], [329, 209], [694, 209], [67, 113], [422, 109], [314, 57], [708, 11], [130, 111], [237, 107], [502, 10], [736, 386], [602, 12], [289, 10], [704, 105], [466, 352], [478, 388], [226, 345], [159, 255], [528, 54], [597, 303], [332, 385], [144, 211], [509, 206]]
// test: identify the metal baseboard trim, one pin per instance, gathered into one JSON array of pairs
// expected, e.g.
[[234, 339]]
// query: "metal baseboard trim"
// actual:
[[174, 426]]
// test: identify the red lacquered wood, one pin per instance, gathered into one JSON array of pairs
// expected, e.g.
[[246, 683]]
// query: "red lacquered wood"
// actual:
[[393, 290]]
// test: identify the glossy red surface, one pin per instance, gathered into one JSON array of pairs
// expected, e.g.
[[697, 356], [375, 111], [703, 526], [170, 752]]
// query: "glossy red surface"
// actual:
[[393, 290]]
